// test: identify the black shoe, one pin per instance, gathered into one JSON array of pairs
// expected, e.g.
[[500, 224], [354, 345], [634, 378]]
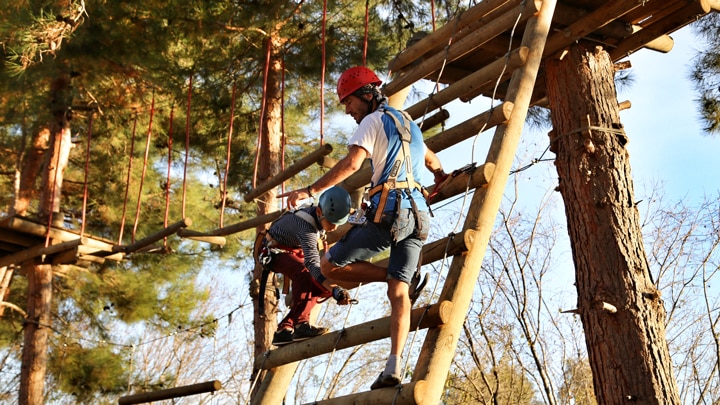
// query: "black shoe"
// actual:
[[283, 337], [305, 331], [384, 381], [416, 286]]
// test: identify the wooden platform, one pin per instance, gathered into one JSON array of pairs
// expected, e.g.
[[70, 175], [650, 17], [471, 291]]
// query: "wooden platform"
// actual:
[[481, 38]]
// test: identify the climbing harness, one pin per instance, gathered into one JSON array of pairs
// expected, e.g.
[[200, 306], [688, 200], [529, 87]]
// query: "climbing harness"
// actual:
[[266, 248]]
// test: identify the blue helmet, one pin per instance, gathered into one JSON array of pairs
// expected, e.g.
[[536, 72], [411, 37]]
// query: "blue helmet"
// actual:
[[335, 204]]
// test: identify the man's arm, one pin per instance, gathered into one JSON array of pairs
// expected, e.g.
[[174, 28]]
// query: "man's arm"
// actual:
[[434, 165], [341, 171]]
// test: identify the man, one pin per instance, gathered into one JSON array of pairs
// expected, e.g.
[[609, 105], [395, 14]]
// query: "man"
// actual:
[[398, 217], [290, 247]]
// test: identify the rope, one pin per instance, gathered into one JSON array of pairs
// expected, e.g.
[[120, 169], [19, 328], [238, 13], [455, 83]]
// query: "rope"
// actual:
[[169, 167], [87, 169], [127, 181], [187, 143], [322, 76], [144, 170], [227, 159], [367, 23], [262, 111]]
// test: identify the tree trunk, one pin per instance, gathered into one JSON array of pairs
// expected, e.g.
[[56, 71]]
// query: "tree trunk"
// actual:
[[268, 166], [620, 308], [31, 163], [37, 327]]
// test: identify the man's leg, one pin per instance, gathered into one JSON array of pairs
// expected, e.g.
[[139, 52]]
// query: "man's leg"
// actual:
[[348, 276], [399, 320]]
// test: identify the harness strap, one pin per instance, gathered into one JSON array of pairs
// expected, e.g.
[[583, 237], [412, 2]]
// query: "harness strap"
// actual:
[[391, 183]]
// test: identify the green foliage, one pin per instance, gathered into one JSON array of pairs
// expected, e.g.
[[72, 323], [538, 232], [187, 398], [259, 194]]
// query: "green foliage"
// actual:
[[87, 372], [706, 73]]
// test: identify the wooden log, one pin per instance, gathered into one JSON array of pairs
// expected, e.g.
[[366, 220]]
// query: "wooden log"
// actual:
[[421, 317], [471, 127], [682, 17], [406, 394], [150, 239], [202, 237], [600, 17], [177, 392], [39, 250], [245, 225], [33, 228], [435, 119], [567, 14], [295, 168], [478, 177], [487, 74], [474, 40], [439, 39]]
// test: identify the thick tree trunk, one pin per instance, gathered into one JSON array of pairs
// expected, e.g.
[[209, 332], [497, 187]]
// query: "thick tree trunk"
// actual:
[[37, 327], [268, 166], [25, 189], [620, 308]]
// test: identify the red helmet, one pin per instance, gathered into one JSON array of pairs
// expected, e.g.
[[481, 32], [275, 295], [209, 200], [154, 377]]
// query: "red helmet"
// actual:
[[353, 79]]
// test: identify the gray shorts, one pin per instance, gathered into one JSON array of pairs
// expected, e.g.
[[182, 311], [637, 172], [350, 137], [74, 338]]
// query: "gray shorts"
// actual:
[[363, 242]]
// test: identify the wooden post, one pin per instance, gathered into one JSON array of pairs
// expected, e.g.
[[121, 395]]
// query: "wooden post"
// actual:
[[295, 168], [440, 343], [200, 388]]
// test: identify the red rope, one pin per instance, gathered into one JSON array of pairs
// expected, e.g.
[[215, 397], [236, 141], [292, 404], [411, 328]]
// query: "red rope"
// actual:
[[367, 23], [87, 170], [187, 143], [167, 184], [432, 11], [127, 181], [227, 160], [262, 110], [322, 76], [144, 170]]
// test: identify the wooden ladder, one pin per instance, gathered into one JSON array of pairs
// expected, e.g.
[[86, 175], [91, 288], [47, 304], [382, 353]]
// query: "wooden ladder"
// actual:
[[444, 318]]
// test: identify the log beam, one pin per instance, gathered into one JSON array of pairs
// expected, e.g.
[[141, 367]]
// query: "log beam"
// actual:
[[40, 250], [421, 318], [150, 239], [474, 40], [405, 394], [314, 157], [437, 41], [177, 392], [470, 83]]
